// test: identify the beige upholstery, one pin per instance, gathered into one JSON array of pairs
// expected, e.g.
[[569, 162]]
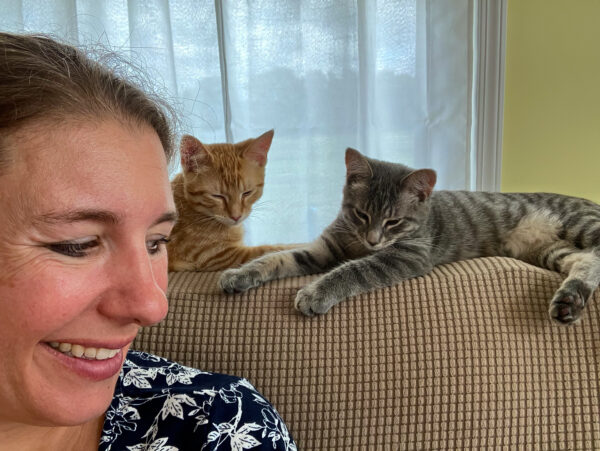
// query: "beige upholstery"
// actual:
[[464, 358]]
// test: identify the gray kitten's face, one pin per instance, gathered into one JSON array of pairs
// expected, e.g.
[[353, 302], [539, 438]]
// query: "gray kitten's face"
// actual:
[[384, 202], [378, 217]]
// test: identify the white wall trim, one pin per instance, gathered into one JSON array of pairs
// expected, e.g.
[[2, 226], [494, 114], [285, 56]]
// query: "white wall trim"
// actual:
[[490, 49], [220, 16]]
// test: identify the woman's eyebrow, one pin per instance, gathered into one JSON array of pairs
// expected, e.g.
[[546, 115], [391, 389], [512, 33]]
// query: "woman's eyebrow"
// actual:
[[170, 216], [102, 216], [68, 216]]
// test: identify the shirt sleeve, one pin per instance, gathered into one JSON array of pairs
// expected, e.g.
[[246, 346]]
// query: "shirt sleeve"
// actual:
[[241, 418], [163, 406]]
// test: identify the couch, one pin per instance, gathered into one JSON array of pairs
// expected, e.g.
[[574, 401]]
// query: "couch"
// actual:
[[463, 358]]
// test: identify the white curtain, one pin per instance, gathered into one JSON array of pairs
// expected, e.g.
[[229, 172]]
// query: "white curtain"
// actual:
[[392, 78]]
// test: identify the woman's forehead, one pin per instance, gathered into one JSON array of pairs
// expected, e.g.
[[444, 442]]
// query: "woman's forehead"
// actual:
[[89, 164], [76, 137]]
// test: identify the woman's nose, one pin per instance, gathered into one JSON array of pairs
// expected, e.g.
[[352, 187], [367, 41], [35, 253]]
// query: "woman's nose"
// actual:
[[137, 289]]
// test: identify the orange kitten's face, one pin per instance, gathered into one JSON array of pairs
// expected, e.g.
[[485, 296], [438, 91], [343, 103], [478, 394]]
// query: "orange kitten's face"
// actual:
[[225, 193], [224, 180]]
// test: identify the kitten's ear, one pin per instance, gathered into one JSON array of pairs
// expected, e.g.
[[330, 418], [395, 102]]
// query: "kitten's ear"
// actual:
[[420, 183], [193, 153], [258, 149], [357, 165]]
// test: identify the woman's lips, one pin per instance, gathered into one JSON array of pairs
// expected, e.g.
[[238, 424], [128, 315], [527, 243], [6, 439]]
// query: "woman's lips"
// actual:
[[99, 364]]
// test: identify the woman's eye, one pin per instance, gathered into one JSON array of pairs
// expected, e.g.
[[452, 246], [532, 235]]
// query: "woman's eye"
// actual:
[[73, 248], [392, 222], [361, 215], [156, 246]]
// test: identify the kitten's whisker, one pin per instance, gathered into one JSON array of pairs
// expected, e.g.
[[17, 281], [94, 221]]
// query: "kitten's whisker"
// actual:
[[262, 202]]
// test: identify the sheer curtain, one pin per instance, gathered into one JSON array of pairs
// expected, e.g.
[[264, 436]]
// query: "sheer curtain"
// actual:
[[397, 79]]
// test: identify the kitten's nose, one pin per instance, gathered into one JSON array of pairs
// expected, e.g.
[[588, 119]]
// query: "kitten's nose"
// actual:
[[373, 238], [235, 218]]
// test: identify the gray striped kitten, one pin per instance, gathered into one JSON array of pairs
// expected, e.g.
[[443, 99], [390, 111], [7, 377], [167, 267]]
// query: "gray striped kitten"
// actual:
[[393, 227]]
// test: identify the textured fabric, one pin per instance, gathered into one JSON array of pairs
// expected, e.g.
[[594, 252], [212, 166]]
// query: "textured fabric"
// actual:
[[163, 406], [463, 358]]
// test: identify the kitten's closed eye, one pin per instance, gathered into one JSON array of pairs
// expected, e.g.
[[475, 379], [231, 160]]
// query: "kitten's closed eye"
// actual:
[[389, 223], [218, 196], [247, 193], [364, 217]]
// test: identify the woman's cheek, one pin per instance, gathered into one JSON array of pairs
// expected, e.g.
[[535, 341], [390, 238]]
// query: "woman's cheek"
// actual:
[[56, 296]]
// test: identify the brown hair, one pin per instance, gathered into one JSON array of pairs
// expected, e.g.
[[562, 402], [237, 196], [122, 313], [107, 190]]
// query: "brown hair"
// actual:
[[43, 79]]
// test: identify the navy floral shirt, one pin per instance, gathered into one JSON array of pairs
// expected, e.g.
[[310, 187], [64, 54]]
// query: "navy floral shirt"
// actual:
[[163, 406]]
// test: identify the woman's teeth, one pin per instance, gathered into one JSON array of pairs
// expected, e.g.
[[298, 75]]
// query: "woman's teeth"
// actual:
[[81, 352]]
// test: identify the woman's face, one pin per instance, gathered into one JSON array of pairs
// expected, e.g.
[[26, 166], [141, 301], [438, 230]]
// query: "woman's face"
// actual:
[[85, 210]]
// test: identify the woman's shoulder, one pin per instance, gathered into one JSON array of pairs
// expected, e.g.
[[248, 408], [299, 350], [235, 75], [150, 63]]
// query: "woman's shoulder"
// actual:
[[144, 373], [164, 405]]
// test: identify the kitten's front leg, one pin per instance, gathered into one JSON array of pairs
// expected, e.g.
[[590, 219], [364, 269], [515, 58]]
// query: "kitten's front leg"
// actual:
[[310, 259], [238, 280], [383, 269]]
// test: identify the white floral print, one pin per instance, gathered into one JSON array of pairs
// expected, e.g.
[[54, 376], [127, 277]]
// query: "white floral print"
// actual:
[[163, 406]]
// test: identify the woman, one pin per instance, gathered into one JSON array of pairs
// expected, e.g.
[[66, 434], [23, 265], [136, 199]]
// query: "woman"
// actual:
[[86, 212]]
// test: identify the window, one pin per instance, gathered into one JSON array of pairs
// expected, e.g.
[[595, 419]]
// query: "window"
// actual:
[[412, 81]]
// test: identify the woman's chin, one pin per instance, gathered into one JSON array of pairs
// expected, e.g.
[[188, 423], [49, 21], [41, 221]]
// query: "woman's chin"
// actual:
[[65, 394], [74, 409]]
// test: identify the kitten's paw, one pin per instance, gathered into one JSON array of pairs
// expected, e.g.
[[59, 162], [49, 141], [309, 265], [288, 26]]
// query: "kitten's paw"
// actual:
[[238, 280], [568, 302], [311, 301]]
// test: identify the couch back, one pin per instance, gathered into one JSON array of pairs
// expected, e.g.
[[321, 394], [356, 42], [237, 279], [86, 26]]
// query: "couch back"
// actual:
[[463, 358]]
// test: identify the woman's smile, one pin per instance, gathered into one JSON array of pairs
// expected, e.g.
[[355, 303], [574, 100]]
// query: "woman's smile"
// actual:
[[76, 361], [79, 351]]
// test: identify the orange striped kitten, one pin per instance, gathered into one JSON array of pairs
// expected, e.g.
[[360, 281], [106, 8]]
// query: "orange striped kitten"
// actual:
[[214, 193]]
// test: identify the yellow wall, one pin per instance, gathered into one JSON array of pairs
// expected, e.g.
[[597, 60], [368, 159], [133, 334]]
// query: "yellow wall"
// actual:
[[551, 138]]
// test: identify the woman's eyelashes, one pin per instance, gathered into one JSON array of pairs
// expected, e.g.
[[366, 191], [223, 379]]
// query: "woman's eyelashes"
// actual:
[[74, 248], [157, 245], [80, 249]]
